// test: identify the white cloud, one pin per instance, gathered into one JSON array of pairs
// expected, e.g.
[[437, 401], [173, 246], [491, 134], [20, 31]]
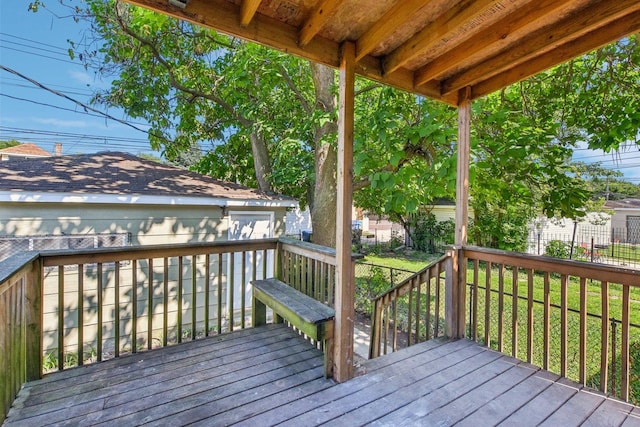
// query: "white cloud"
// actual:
[[62, 123], [82, 77]]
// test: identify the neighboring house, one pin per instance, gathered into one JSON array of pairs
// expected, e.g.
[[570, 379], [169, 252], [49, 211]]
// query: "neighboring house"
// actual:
[[116, 199], [23, 151], [625, 221], [112, 198]]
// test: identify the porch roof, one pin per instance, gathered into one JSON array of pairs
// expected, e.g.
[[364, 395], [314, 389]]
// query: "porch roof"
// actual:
[[433, 48]]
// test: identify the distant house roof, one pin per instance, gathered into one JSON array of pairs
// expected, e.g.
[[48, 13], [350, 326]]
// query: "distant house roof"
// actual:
[[623, 204], [27, 150], [114, 177]]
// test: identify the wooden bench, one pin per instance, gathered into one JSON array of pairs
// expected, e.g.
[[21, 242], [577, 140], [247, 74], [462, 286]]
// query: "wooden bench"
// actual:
[[308, 315]]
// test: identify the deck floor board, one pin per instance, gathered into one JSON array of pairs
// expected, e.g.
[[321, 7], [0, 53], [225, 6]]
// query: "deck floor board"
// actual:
[[271, 376]]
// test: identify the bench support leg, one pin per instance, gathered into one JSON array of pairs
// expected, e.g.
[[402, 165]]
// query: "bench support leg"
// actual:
[[327, 347], [259, 313]]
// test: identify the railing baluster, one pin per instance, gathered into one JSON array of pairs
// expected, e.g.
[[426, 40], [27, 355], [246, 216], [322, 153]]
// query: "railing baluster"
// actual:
[[219, 328], [501, 307], [624, 350], [100, 311], [530, 315], [487, 305], [583, 331], [116, 303], [564, 284], [546, 333], [231, 288], [427, 319], [604, 349], [207, 277], [80, 314], [395, 322], [410, 315], [134, 306], [194, 297], [417, 282], [150, 306], [474, 301], [180, 290], [165, 303], [61, 318], [436, 306], [514, 313], [243, 286]]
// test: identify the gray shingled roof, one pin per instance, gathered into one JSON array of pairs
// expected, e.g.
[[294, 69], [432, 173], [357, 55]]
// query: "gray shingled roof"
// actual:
[[117, 173], [624, 203]]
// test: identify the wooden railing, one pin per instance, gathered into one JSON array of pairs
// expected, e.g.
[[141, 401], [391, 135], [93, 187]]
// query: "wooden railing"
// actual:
[[556, 314], [19, 326], [60, 309], [580, 320], [411, 312], [309, 268]]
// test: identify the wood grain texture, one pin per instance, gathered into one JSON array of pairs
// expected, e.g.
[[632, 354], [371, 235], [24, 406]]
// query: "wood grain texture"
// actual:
[[270, 375]]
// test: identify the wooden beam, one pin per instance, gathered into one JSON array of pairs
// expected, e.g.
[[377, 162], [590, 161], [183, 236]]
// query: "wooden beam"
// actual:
[[397, 16], [224, 16], [317, 20], [345, 287], [448, 22], [588, 42], [247, 10], [576, 25], [501, 32]]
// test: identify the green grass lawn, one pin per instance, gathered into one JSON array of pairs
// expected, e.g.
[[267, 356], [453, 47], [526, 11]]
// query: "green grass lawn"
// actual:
[[407, 260]]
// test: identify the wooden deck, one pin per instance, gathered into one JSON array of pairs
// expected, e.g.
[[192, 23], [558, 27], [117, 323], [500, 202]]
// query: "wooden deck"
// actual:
[[269, 375]]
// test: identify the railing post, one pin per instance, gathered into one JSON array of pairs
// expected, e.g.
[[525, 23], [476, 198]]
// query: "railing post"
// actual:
[[33, 317], [455, 293]]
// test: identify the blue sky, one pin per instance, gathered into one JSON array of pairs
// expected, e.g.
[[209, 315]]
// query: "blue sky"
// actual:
[[35, 45]]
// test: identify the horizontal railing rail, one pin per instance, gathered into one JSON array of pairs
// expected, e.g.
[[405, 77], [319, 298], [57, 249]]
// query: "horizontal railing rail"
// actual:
[[557, 314], [414, 307]]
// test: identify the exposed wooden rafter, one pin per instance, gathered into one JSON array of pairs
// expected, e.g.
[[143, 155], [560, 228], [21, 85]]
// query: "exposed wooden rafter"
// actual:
[[573, 26], [446, 23], [586, 43], [394, 18], [318, 18], [500, 32], [247, 10], [429, 47]]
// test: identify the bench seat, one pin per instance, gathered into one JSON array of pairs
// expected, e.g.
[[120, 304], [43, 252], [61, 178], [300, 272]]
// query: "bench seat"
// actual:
[[311, 317]]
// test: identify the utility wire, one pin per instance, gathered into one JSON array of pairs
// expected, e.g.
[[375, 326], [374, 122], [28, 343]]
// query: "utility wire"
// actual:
[[81, 104]]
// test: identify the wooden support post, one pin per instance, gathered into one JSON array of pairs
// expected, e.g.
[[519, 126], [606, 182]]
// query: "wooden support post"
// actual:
[[462, 183], [33, 318], [456, 269], [344, 298]]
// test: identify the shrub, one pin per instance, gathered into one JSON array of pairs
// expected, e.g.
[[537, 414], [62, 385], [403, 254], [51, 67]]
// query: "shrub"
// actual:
[[558, 249]]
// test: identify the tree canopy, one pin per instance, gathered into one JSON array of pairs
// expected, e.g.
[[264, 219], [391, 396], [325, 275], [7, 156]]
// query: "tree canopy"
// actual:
[[248, 114]]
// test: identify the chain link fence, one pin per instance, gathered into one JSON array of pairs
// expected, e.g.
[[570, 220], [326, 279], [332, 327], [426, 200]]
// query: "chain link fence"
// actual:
[[12, 245]]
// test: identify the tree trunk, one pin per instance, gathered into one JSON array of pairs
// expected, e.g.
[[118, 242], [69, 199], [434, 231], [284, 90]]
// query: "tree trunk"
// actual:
[[323, 204], [261, 162]]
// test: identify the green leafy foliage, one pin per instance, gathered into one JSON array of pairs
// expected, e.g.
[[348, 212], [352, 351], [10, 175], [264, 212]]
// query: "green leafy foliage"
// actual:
[[558, 249]]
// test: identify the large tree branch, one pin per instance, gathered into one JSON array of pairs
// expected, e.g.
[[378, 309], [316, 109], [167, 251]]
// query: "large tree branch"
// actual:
[[175, 83], [294, 88]]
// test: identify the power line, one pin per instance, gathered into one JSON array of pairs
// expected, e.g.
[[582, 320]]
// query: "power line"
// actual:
[[81, 104], [62, 108]]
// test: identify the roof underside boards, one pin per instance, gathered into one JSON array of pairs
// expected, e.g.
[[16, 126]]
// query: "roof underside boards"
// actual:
[[114, 173], [429, 47]]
